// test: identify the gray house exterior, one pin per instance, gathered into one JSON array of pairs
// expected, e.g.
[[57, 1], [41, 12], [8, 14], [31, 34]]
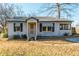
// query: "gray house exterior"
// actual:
[[38, 26]]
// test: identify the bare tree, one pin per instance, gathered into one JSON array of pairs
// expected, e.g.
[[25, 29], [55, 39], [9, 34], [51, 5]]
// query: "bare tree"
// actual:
[[32, 14], [19, 11], [8, 11], [59, 9]]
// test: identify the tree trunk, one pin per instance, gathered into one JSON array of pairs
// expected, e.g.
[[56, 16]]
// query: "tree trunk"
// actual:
[[58, 10]]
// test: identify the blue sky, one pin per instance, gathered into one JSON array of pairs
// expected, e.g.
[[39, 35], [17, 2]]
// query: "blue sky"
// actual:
[[34, 7], [29, 7]]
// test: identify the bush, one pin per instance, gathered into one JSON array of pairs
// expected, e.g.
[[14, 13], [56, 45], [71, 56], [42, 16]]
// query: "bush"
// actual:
[[16, 36], [66, 34], [23, 36], [73, 33], [5, 35]]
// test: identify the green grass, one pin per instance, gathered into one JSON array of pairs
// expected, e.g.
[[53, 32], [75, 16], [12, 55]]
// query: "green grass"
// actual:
[[38, 48]]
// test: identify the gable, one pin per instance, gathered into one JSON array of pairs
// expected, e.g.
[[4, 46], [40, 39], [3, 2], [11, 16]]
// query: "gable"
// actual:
[[32, 19]]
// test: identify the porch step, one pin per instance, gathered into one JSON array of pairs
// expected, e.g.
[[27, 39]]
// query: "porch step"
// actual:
[[32, 38]]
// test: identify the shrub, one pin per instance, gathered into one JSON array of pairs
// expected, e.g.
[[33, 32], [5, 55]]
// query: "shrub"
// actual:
[[66, 34], [5, 35], [73, 33], [23, 36], [16, 36]]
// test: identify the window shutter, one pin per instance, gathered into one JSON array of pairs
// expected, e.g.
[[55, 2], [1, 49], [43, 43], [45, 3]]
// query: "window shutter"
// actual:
[[40, 27], [14, 27], [61, 26], [53, 27], [21, 26]]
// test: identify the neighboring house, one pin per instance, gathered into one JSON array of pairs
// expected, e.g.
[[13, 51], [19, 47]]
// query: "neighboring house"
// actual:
[[74, 30], [77, 29], [38, 26]]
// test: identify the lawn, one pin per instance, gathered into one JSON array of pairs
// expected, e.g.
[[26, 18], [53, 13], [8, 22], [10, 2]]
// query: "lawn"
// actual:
[[43, 47]]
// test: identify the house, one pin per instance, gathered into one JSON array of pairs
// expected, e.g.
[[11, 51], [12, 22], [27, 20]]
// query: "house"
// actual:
[[77, 29], [33, 27], [74, 30]]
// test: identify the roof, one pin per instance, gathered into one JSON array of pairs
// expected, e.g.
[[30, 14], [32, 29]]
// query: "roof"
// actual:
[[39, 18]]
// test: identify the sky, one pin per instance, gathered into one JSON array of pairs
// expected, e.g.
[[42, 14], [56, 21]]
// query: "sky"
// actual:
[[29, 8]]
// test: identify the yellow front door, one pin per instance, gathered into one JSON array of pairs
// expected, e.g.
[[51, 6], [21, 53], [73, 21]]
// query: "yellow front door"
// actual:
[[32, 29]]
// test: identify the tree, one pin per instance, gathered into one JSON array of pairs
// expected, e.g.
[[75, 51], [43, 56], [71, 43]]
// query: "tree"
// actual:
[[8, 11], [59, 9], [32, 14], [19, 11]]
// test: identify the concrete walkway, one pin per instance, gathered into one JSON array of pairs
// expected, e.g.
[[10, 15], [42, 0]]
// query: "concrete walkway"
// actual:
[[73, 39]]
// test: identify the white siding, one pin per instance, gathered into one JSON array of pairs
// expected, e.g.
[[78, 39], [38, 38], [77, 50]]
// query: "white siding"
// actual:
[[62, 32], [57, 31], [11, 29]]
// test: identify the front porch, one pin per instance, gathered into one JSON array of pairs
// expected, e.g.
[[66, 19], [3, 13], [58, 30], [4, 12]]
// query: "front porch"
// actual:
[[32, 29]]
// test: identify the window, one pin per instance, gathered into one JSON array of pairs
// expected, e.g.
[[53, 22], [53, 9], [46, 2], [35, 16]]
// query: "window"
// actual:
[[61, 26], [49, 28], [44, 28], [64, 27], [18, 28]]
